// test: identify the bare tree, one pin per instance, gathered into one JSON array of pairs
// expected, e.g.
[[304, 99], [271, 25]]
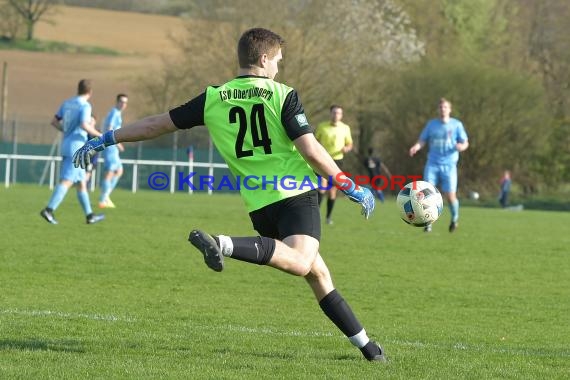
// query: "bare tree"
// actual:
[[10, 22], [32, 11]]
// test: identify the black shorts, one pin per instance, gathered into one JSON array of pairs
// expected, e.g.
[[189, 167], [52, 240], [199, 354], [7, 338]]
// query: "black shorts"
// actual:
[[298, 215], [339, 163]]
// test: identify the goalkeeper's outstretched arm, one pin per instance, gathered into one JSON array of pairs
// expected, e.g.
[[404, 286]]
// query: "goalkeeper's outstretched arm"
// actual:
[[145, 129]]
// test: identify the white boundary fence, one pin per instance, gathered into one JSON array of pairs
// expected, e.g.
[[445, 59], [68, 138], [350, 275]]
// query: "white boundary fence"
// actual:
[[191, 164]]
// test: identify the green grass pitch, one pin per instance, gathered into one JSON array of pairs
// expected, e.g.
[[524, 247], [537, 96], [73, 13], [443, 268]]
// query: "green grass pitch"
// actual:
[[131, 298]]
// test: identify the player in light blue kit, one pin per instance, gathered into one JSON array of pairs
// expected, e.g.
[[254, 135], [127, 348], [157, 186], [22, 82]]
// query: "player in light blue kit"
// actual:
[[446, 137], [113, 165], [73, 119]]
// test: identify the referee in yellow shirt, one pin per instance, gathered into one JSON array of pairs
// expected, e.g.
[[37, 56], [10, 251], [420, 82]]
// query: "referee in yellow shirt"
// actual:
[[335, 137]]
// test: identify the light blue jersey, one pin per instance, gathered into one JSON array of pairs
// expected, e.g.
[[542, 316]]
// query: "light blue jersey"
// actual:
[[441, 138], [73, 113], [113, 121]]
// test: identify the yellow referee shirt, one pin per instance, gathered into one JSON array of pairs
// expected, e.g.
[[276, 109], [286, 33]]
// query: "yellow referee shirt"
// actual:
[[334, 138]]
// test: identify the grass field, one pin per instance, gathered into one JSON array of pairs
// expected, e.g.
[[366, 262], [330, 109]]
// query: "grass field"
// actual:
[[130, 298]]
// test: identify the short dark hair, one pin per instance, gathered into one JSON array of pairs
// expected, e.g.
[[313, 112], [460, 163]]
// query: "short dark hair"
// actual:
[[84, 87], [335, 106], [255, 42], [119, 96]]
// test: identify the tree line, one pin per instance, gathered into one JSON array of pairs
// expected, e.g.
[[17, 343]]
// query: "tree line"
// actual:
[[504, 64]]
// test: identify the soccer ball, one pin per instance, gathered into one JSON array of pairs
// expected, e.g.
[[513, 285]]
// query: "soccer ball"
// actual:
[[420, 203]]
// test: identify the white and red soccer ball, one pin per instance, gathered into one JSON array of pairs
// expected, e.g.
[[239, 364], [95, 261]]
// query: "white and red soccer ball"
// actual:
[[420, 203]]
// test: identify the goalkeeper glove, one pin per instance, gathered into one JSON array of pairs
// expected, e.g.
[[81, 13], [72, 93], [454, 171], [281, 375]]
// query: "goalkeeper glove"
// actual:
[[82, 157], [361, 195]]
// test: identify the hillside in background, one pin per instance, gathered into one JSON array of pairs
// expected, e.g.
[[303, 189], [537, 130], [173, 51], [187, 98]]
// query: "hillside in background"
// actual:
[[164, 7], [38, 82], [129, 33]]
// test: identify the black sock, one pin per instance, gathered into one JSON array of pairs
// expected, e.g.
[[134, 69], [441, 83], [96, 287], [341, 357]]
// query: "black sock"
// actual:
[[371, 350], [321, 196], [338, 311], [330, 205], [257, 250]]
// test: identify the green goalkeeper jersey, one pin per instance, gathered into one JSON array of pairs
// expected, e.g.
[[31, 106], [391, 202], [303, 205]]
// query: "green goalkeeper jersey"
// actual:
[[252, 122]]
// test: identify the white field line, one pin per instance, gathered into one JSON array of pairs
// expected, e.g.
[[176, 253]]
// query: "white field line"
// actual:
[[387, 342], [59, 314], [523, 351], [268, 331]]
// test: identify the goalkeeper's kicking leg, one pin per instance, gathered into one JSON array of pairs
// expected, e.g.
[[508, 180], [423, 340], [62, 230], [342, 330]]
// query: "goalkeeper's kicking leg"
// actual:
[[304, 261], [290, 231], [339, 312]]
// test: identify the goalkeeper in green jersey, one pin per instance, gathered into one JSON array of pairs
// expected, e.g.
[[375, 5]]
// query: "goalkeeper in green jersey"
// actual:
[[259, 127]]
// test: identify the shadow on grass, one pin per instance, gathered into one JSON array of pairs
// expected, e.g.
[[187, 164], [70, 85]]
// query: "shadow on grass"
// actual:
[[260, 354], [40, 345], [288, 356]]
